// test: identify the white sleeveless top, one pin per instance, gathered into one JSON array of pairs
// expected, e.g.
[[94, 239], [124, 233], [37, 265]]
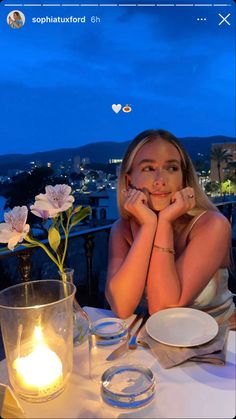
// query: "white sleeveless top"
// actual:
[[215, 299]]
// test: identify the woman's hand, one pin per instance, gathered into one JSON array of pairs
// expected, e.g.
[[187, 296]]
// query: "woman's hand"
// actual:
[[181, 202], [136, 204]]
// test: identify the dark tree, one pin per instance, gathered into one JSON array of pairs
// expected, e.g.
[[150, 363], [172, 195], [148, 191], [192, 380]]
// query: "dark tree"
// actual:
[[26, 186], [212, 187], [220, 155], [202, 165]]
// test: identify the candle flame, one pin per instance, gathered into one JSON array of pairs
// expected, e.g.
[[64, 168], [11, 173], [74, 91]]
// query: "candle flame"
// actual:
[[42, 366], [38, 334]]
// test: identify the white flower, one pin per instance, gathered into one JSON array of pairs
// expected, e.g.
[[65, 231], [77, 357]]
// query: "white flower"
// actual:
[[14, 229], [56, 199]]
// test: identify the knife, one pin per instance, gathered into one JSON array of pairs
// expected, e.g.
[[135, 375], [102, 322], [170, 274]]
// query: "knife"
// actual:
[[124, 346], [133, 341]]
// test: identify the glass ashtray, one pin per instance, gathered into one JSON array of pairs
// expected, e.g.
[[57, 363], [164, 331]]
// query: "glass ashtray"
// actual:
[[109, 331], [127, 386]]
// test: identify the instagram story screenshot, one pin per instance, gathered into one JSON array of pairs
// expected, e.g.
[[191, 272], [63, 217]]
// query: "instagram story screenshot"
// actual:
[[117, 187]]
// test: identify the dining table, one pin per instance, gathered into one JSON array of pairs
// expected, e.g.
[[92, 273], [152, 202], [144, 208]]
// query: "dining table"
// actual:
[[190, 390]]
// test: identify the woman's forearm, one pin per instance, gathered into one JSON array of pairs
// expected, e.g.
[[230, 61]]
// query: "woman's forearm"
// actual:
[[164, 289], [126, 286]]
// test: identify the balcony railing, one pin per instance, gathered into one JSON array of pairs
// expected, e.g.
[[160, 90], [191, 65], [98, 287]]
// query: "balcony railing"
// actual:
[[87, 254], [228, 209]]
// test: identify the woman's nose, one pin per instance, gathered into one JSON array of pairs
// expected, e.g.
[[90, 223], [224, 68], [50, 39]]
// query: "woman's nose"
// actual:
[[159, 178]]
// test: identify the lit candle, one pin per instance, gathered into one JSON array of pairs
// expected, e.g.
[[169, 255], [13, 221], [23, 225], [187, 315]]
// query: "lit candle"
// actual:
[[42, 368]]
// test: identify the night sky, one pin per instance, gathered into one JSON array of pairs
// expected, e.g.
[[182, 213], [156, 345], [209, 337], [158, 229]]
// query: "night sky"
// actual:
[[58, 81]]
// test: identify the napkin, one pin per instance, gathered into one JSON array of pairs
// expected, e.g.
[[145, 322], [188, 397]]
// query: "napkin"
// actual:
[[212, 352]]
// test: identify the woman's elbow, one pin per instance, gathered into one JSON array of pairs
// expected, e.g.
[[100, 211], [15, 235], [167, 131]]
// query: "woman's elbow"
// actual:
[[118, 307], [119, 310], [155, 307], [123, 314]]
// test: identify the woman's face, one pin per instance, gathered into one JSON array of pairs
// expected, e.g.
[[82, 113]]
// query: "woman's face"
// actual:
[[157, 170], [17, 16]]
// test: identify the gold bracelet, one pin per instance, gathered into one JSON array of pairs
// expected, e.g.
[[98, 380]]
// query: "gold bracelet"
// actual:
[[164, 249]]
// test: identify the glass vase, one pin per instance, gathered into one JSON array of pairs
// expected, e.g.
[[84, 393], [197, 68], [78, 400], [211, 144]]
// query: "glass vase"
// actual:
[[81, 321], [37, 323]]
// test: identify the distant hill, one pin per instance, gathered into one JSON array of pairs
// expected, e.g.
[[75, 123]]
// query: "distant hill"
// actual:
[[101, 152]]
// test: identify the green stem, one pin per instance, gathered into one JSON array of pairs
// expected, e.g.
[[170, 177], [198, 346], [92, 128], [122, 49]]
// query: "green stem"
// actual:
[[66, 233], [58, 258], [37, 243]]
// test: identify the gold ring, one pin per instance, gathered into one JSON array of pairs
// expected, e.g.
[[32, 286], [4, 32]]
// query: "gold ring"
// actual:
[[190, 196]]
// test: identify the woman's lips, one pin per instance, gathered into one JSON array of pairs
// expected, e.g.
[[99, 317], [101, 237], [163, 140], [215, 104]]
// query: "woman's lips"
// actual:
[[160, 194]]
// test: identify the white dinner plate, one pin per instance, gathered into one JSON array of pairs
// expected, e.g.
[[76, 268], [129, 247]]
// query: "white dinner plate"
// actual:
[[182, 327]]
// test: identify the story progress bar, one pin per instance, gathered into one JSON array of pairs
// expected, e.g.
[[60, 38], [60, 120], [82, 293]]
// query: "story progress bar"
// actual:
[[118, 5]]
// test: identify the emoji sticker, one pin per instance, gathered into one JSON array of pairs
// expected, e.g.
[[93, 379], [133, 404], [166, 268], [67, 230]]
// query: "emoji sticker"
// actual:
[[116, 108], [127, 108]]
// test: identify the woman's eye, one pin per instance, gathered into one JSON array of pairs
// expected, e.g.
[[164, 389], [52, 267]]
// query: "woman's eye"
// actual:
[[172, 169], [147, 169]]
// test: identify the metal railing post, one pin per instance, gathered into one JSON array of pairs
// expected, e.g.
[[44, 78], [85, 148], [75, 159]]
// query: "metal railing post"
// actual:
[[25, 265], [89, 245]]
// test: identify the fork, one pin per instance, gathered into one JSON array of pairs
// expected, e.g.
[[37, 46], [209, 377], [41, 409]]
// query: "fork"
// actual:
[[133, 341]]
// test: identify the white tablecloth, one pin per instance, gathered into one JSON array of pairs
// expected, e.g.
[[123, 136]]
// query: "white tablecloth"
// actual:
[[192, 390]]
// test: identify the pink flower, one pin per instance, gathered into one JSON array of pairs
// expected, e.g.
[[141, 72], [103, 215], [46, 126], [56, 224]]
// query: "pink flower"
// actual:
[[57, 199], [40, 213], [14, 229]]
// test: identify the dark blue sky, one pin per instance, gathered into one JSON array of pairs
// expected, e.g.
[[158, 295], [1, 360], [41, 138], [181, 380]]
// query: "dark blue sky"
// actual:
[[58, 81]]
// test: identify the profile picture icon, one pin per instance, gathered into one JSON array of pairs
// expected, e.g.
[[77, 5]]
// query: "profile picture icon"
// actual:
[[16, 19]]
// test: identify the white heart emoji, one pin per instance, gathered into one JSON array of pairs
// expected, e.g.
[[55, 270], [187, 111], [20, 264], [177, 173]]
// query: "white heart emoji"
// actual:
[[116, 108]]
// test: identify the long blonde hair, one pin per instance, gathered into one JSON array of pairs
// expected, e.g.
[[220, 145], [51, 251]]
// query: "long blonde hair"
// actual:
[[189, 174]]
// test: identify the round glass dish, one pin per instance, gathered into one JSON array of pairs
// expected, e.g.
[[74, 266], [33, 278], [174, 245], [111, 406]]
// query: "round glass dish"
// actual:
[[109, 331], [127, 386]]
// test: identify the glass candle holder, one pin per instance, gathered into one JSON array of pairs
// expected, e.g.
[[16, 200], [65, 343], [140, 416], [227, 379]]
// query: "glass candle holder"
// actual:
[[37, 329]]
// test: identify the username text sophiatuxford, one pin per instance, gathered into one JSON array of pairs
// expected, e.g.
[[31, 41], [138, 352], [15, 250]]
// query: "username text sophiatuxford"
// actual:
[[60, 19]]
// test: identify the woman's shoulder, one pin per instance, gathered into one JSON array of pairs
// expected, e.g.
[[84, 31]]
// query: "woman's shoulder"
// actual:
[[213, 216], [210, 220]]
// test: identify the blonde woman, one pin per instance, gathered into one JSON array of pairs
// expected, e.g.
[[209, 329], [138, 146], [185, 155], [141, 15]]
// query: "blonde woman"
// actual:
[[15, 20], [170, 243]]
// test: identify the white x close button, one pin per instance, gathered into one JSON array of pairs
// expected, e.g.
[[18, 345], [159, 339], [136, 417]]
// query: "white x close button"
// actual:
[[224, 19]]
